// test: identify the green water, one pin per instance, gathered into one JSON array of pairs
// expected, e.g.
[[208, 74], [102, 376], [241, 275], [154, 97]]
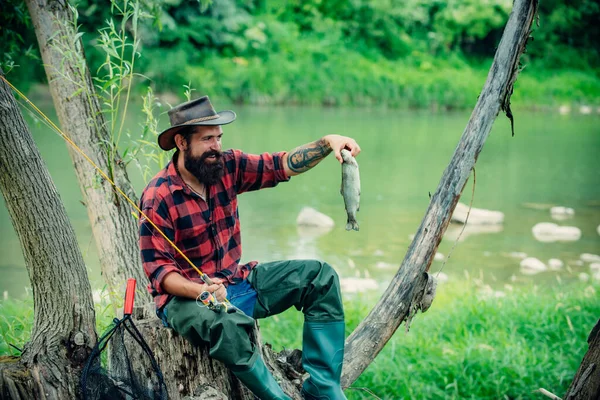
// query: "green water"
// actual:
[[552, 160]]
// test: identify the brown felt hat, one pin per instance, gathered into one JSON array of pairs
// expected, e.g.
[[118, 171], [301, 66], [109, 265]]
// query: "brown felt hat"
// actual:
[[193, 113]]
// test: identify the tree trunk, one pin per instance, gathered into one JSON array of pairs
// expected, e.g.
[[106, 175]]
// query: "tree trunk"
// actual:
[[404, 295], [190, 373], [64, 327], [586, 384], [79, 113]]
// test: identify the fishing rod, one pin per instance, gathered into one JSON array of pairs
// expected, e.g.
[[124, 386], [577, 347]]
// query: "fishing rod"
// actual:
[[205, 278]]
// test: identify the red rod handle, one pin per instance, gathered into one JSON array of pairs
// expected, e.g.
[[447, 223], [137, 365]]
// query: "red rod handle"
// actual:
[[129, 296]]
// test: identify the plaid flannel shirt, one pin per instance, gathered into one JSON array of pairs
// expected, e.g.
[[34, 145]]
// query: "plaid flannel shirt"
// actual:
[[207, 232]]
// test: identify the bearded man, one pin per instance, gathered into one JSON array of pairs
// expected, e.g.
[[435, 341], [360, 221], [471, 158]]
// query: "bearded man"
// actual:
[[193, 201]]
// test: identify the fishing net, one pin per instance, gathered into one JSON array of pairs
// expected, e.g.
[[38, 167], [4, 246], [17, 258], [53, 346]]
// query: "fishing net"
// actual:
[[111, 374]]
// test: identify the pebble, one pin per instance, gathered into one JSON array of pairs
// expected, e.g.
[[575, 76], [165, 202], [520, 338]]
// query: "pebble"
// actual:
[[584, 277], [308, 216], [384, 265], [550, 232], [555, 264], [532, 266], [442, 277], [589, 258], [477, 216], [355, 285], [561, 213]]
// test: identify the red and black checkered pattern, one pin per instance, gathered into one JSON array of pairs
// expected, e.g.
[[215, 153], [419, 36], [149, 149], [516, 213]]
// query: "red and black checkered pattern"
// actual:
[[207, 232]]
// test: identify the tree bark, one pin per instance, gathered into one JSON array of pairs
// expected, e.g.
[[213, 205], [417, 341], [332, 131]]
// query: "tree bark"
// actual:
[[586, 384], [79, 113], [190, 372], [405, 292], [64, 327]]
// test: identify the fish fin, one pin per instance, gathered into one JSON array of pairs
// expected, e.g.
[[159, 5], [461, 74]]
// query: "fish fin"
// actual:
[[352, 225]]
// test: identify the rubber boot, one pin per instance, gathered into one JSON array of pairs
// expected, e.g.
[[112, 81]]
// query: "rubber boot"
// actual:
[[261, 382], [322, 358]]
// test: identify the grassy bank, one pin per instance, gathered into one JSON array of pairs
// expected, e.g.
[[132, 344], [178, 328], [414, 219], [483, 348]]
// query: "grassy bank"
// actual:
[[469, 345], [351, 79], [472, 346]]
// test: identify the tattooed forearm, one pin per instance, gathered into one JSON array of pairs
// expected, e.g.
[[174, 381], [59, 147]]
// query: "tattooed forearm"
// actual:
[[305, 157]]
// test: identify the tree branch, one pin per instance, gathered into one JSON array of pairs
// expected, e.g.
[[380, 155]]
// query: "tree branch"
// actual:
[[363, 345]]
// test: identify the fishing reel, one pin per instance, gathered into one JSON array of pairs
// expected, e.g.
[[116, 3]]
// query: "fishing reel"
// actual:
[[213, 304]]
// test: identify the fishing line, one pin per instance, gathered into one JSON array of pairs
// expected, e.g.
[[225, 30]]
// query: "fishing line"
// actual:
[[166, 254], [47, 120], [464, 226]]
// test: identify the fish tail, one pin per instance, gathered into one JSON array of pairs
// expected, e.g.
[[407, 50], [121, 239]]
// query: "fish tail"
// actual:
[[352, 224]]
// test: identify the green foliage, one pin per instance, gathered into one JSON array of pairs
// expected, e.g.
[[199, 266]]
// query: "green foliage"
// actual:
[[146, 154], [338, 52], [471, 343], [568, 35], [19, 58], [121, 53], [408, 54]]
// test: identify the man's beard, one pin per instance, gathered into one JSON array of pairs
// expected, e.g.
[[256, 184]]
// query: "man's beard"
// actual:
[[207, 173]]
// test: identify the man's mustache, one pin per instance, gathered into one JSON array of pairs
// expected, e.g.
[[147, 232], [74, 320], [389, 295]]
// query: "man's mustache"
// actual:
[[211, 153]]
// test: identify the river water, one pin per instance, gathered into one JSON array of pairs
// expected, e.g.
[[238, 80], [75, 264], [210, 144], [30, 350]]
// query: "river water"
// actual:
[[553, 160]]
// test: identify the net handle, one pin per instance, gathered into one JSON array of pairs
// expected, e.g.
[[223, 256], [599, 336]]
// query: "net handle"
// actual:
[[129, 296]]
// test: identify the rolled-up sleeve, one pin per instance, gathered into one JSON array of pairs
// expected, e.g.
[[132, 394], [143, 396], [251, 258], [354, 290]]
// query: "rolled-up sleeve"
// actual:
[[157, 253], [256, 172]]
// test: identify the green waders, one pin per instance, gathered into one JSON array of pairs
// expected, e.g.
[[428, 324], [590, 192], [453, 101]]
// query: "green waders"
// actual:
[[308, 285]]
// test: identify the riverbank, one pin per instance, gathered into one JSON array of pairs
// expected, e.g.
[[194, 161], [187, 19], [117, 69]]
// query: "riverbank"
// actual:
[[356, 81], [351, 79], [472, 343]]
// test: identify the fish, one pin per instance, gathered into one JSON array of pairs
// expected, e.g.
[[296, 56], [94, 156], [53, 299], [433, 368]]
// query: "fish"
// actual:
[[350, 189]]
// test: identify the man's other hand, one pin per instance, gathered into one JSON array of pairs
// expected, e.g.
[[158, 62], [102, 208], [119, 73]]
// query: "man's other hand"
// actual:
[[217, 289]]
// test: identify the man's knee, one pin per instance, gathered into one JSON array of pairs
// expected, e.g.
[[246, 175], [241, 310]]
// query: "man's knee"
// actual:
[[325, 303], [331, 274], [324, 275], [230, 341]]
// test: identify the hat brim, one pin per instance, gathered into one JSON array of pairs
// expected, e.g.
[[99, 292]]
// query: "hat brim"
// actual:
[[166, 140]]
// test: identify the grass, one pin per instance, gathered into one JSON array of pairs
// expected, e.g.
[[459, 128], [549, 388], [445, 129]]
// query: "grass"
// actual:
[[471, 344], [17, 316]]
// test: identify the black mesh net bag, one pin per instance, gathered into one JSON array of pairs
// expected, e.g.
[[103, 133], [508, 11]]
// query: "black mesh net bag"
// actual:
[[111, 374]]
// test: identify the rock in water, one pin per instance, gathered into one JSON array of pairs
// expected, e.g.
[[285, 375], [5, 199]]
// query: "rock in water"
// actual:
[[477, 216], [310, 217], [590, 258], [532, 265], [550, 232], [555, 264], [350, 188]]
